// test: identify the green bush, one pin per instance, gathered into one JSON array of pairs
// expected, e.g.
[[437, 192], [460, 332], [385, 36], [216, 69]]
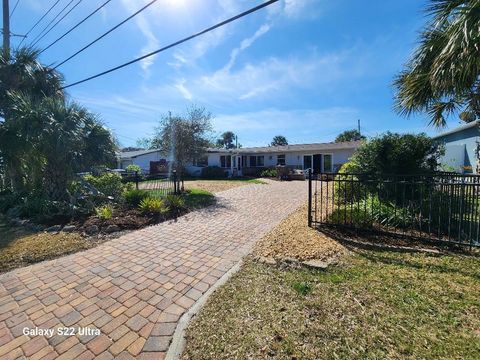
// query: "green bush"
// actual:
[[105, 212], [151, 206], [347, 187], [174, 204], [8, 200], [134, 197], [133, 168], [109, 184], [269, 173], [401, 154], [213, 172]]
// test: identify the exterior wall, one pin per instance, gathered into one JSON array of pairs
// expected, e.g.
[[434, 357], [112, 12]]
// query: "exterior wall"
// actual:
[[462, 141], [142, 160]]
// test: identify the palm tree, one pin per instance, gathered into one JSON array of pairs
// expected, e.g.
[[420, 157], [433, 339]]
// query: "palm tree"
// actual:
[[442, 78], [24, 74]]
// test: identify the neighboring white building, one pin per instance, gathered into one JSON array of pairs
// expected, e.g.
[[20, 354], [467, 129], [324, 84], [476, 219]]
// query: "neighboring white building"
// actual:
[[320, 157]]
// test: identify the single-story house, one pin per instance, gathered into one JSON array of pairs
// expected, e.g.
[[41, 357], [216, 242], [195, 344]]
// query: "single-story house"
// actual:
[[320, 157], [148, 160], [462, 148]]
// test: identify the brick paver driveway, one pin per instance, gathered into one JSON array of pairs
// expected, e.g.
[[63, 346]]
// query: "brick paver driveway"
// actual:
[[135, 288]]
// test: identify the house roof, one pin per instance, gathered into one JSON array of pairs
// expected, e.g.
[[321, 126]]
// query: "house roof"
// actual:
[[134, 154], [293, 147], [458, 129]]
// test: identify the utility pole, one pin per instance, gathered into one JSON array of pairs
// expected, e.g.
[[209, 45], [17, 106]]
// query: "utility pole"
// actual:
[[6, 29], [358, 122]]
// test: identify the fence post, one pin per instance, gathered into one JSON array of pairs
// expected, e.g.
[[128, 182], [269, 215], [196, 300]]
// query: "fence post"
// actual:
[[175, 182], [310, 197], [136, 180]]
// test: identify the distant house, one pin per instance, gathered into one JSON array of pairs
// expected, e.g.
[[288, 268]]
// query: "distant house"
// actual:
[[462, 147], [150, 161], [320, 157]]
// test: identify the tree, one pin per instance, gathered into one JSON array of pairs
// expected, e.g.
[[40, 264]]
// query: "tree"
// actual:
[[393, 153], [186, 137], [47, 141], [227, 140], [442, 78], [22, 73], [279, 140], [349, 135]]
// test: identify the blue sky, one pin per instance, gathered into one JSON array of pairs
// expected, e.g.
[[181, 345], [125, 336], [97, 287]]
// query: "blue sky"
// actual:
[[304, 69]]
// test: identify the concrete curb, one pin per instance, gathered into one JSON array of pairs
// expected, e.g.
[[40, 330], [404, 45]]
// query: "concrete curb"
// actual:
[[177, 345]]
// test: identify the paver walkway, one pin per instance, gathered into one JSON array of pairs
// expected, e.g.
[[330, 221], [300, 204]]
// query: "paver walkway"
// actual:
[[135, 288]]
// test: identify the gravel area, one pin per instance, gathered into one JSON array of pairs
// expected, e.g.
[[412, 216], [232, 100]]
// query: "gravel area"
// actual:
[[294, 239]]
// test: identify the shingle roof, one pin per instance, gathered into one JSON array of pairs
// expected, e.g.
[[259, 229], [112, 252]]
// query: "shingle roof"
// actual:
[[133, 154], [294, 147], [458, 129]]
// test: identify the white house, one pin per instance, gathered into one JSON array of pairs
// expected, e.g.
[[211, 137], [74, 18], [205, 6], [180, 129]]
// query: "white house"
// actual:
[[320, 157]]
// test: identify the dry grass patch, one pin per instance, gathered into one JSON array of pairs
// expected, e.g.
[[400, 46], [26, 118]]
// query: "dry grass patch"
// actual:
[[215, 186], [294, 239], [19, 247], [382, 305]]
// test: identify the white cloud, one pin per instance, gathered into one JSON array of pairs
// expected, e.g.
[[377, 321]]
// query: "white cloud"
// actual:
[[245, 44], [180, 85], [295, 9]]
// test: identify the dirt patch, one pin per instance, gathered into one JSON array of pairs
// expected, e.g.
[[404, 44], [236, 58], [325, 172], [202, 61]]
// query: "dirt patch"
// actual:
[[294, 239], [128, 220]]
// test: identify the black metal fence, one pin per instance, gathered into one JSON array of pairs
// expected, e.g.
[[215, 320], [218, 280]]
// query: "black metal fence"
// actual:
[[158, 184], [439, 207]]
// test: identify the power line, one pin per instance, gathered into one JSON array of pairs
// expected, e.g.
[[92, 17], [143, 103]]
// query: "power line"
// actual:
[[38, 22], [43, 33], [77, 25], [245, 13], [105, 34], [14, 8]]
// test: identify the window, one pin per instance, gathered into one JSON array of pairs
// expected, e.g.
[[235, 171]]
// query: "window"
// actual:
[[260, 161], [257, 161], [201, 162], [327, 163], [225, 161], [281, 159]]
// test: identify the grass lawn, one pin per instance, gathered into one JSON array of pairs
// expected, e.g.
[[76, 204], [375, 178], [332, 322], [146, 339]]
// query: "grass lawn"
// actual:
[[212, 185], [19, 247], [376, 305]]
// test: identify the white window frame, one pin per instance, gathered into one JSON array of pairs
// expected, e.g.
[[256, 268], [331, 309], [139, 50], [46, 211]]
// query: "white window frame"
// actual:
[[284, 159]]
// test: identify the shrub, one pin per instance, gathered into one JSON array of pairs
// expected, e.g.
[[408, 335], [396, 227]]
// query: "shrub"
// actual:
[[213, 172], [174, 204], [133, 168], [8, 200], [269, 173], [397, 154], [134, 197], [109, 184], [345, 189], [151, 206], [104, 212]]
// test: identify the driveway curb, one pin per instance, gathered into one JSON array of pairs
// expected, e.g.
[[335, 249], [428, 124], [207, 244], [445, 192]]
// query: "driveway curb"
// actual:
[[178, 341]]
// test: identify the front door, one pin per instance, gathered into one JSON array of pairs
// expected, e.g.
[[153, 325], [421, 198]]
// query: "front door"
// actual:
[[317, 163], [307, 162]]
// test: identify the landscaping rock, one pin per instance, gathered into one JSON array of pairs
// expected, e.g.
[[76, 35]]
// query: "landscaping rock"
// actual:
[[92, 230], [315, 264], [267, 260], [54, 228], [69, 228], [111, 229]]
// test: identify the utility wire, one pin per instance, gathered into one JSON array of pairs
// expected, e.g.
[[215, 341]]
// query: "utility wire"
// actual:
[[14, 8], [245, 13], [38, 22], [105, 34], [45, 31], [77, 25]]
